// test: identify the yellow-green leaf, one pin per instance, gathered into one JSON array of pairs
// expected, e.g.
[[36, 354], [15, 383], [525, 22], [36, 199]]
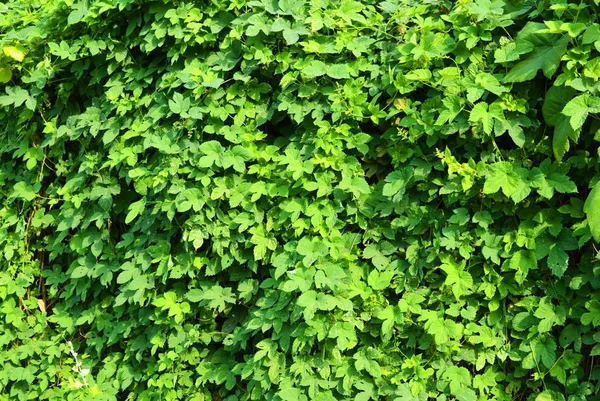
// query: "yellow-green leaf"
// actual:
[[14, 53], [5, 75]]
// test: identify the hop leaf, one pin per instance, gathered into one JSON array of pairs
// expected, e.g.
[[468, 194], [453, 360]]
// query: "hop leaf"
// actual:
[[546, 55], [14, 53], [592, 210]]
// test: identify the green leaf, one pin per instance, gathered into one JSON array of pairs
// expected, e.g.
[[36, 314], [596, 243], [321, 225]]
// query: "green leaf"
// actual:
[[466, 394], [135, 209], [485, 116], [257, 24], [560, 141], [546, 55], [459, 378], [569, 335], [169, 302], [23, 191], [578, 109], [338, 71], [290, 7], [79, 11], [452, 108], [558, 261], [486, 337], [549, 318], [214, 296], [63, 50], [349, 11], [544, 349], [555, 101], [79, 272], [311, 249], [484, 9], [591, 209], [5, 75], [244, 200], [523, 321], [236, 158], [549, 396], [345, 335], [179, 104], [593, 316], [129, 271], [550, 177], [555, 249], [311, 301], [512, 181], [288, 393], [291, 33], [213, 154], [314, 69], [419, 74], [356, 185], [380, 281], [396, 182], [444, 329], [512, 51], [523, 261], [367, 363], [591, 35], [457, 278], [573, 29], [15, 96], [514, 128], [389, 316]]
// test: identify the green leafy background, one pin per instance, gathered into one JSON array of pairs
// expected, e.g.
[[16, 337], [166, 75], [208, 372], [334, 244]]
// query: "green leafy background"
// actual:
[[288, 201]]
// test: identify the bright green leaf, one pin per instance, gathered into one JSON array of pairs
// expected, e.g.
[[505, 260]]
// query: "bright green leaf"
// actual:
[[591, 209]]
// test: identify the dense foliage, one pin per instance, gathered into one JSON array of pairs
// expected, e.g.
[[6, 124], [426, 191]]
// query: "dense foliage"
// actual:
[[286, 200]]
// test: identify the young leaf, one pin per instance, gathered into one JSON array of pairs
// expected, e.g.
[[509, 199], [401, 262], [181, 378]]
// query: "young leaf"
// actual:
[[14, 53]]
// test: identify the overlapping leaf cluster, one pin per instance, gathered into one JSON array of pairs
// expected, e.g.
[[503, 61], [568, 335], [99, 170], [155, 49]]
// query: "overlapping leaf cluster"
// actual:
[[289, 201]]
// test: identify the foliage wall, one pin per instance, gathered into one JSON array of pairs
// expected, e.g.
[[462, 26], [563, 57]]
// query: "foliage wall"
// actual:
[[288, 201]]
